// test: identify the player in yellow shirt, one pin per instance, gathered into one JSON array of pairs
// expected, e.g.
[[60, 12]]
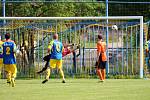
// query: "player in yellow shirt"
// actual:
[[1, 56], [9, 59], [55, 48]]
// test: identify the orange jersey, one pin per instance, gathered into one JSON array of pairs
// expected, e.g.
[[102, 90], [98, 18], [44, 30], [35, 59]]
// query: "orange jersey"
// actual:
[[101, 48]]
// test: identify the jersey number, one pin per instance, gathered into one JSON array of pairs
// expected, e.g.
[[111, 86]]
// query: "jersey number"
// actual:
[[58, 49], [7, 50]]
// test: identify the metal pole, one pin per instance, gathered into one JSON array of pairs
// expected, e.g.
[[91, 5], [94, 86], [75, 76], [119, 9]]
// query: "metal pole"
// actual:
[[107, 67], [4, 20], [3, 2], [141, 47]]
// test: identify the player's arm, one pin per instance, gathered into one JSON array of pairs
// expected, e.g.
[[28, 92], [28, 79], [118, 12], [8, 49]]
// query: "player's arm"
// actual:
[[98, 53], [65, 51], [1, 47], [78, 47], [50, 45], [73, 47], [146, 47], [69, 49], [15, 48]]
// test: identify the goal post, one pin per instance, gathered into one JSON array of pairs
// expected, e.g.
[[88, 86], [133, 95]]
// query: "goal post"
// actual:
[[94, 24], [141, 48]]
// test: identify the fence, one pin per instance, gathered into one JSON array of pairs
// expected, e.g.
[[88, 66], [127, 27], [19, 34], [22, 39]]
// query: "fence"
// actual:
[[32, 35]]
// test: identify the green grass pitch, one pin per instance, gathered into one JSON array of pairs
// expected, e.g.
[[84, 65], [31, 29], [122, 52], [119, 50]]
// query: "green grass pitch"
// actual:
[[77, 89]]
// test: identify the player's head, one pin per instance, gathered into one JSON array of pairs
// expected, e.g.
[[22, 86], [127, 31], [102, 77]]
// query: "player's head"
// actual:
[[7, 36], [100, 36], [55, 36]]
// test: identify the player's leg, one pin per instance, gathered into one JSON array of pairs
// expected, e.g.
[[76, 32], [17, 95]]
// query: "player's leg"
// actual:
[[44, 68], [47, 59], [47, 75], [1, 66], [0, 71], [103, 74], [99, 73], [52, 65], [8, 76], [48, 72], [59, 65], [98, 69], [13, 74], [103, 70], [8, 73]]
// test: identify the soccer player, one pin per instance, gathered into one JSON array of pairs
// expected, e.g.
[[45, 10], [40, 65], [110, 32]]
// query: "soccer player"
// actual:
[[1, 55], [55, 48], [9, 59], [67, 50], [147, 52], [101, 58]]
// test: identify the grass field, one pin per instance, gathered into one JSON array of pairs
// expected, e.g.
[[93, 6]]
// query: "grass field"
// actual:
[[77, 89]]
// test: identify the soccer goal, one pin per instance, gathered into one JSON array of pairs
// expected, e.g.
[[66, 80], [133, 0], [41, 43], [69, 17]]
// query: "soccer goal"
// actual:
[[123, 36]]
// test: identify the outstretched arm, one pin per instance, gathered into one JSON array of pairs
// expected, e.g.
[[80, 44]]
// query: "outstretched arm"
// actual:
[[69, 48]]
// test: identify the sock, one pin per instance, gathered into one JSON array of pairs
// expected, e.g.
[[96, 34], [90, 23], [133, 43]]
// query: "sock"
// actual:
[[14, 75], [13, 82], [48, 72], [62, 73], [8, 77]]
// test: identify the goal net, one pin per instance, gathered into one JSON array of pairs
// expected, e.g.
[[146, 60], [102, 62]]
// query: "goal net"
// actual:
[[123, 36]]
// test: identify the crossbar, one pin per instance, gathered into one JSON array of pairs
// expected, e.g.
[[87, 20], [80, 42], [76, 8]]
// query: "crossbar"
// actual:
[[70, 18]]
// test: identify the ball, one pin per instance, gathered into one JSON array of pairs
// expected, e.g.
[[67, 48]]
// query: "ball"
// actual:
[[114, 27]]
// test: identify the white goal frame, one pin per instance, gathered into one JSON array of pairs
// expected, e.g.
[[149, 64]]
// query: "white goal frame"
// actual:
[[86, 18]]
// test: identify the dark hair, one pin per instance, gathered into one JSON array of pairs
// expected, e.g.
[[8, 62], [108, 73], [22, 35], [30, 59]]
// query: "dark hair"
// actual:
[[7, 36], [100, 36]]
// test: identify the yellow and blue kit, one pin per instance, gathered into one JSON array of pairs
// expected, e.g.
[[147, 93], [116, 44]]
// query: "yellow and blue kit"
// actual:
[[9, 49], [56, 48], [1, 56]]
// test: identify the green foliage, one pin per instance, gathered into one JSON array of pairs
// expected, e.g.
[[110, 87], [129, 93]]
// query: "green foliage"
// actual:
[[76, 9], [55, 9], [124, 9]]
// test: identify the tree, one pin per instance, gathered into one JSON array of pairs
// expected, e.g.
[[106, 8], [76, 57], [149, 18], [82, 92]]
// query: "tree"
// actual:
[[55, 9], [130, 9]]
